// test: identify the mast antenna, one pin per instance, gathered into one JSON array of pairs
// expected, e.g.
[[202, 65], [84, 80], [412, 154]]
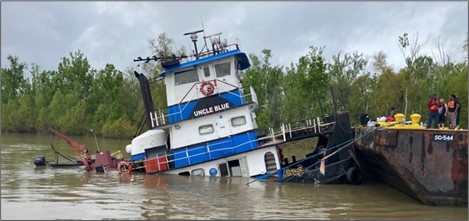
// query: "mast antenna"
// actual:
[[203, 28], [201, 20]]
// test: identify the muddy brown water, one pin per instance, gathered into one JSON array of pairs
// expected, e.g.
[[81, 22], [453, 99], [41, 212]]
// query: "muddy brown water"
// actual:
[[31, 193]]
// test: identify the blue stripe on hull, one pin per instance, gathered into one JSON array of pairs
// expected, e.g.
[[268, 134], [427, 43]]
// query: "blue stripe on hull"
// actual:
[[183, 111], [140, 156], [215, 149]]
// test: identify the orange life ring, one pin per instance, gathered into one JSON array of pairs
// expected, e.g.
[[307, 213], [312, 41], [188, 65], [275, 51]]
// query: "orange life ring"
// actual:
[[124, 167], [207, 88]]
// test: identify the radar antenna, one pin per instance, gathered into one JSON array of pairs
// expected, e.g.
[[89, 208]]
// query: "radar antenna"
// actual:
[[193, 36]]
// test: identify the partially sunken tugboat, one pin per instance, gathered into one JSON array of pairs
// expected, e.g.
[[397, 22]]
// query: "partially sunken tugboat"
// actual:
[[427, 164], [209, 127]]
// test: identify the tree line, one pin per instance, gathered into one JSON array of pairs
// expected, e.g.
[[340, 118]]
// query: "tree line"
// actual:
[[75, 97]]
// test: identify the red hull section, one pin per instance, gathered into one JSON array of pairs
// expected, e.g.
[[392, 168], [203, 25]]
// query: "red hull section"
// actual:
[[154, 165]]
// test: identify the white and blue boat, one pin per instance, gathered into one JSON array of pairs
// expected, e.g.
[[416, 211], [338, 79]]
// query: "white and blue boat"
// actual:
[[209, 125]]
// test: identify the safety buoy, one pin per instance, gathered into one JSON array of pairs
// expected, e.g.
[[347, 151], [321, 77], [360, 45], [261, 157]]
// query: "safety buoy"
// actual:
[[207, 88], [124, 167]]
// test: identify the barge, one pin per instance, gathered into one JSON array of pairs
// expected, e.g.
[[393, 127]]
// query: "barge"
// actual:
[[428, 164]]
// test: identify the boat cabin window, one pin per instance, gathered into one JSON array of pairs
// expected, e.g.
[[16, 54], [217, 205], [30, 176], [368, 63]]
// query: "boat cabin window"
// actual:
[[206, 72], [198, 172], [187, 76], [238, 67], [223, 69], [205, 129], [238, 121]]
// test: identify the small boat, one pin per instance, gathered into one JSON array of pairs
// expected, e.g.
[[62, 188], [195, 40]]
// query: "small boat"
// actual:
[[100, 161], [428, 164], [209, 127]]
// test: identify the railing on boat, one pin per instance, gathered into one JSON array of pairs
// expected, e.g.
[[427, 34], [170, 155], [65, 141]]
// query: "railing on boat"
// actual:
[[159, 118], [307, 128]]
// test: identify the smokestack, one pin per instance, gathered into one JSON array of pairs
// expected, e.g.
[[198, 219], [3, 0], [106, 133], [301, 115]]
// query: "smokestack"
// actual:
[[146, 96]]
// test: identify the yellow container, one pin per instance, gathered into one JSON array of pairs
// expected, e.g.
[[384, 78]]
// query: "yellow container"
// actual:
[[118, 155]]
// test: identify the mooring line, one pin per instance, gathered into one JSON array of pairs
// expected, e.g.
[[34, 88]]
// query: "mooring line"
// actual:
[[348, 142]]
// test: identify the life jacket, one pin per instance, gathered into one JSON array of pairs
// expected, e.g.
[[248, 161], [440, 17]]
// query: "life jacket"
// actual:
[[434, 107], [451, 104]]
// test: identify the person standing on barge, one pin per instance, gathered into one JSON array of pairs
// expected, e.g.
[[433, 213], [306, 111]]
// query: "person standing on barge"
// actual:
[[458, 109], [453, 106], [433, 105], [442, 111]]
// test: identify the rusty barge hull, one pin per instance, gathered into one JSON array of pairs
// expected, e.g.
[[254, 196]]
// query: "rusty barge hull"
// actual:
[[429, 165]]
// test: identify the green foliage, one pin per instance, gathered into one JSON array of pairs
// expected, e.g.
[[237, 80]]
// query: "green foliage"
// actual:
[[459, 86], [306, 87], [343, 72], [74, 76], [72, 99], [13, 83], [267, 83], [120, 128], [76, 97]]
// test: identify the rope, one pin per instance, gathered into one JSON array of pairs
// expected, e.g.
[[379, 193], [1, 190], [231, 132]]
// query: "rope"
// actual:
[[346, 143], [335, 152], [57, 153], [293, 164]]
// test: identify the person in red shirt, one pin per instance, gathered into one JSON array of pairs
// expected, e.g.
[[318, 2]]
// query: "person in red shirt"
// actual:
[[433, 116]]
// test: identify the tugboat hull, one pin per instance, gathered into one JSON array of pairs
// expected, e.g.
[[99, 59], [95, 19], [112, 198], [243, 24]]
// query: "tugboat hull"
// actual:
[[429, 165]]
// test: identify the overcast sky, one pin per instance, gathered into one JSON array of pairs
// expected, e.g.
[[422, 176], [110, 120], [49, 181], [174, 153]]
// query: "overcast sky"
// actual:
[[118, 32]]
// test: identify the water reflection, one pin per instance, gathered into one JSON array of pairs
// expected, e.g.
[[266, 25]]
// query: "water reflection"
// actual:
[[56, 193]]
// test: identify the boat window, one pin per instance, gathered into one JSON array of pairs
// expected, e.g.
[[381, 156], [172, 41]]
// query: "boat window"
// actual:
[[206, 129], [198, 172], [185, 77], [237, 65], [223, 69], [206, 72], [238, 121]]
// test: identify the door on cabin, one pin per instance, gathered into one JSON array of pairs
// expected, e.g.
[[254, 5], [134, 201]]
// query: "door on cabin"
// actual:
[[223, 127]]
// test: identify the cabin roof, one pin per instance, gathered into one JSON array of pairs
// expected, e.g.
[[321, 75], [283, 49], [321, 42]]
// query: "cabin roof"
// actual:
[[242, 58]]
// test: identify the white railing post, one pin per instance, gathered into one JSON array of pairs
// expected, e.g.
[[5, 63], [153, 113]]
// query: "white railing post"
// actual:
[[283, 132], [163, 121], [314, 125], [208, 151], [180, 111], [152, 119], [272, 134], [158, 162], [187, 155], [319, 124], [253, 94]]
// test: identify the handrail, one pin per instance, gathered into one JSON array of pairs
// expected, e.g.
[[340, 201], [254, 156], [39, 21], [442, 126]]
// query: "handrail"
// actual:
[[190, 89], [163, 117], [272, 135], [345, 143]]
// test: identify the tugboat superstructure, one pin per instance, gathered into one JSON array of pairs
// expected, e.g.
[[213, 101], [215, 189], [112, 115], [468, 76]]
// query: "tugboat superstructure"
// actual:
[[209, 121], [209, 125]]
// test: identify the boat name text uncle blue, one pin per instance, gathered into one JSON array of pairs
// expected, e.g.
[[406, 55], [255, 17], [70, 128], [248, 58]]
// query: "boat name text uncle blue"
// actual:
[[211, 109]]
